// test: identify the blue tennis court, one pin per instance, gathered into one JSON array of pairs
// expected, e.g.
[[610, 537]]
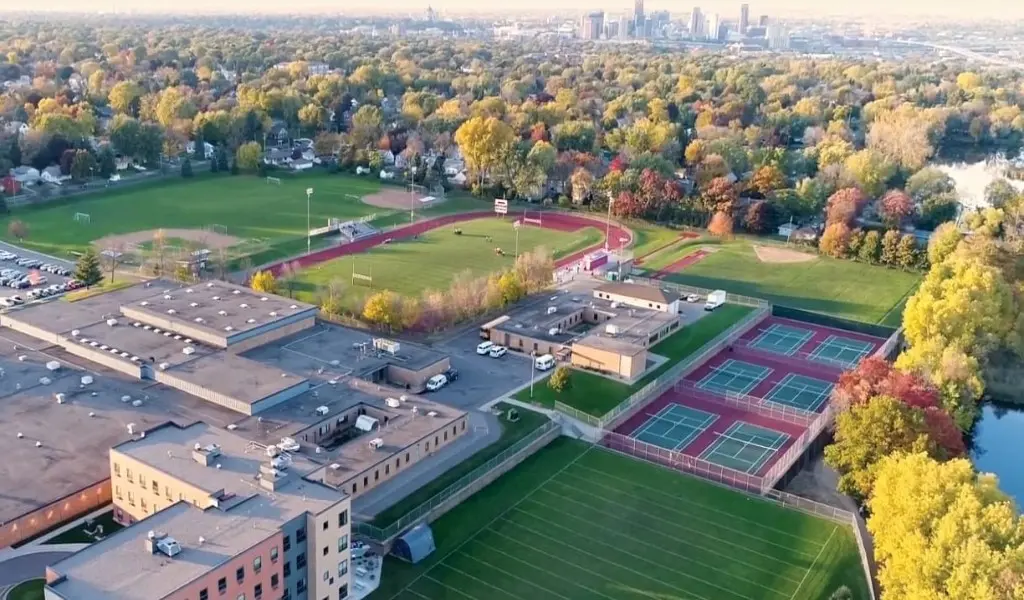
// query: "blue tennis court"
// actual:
[[838, 350], [800, 391], [674, 427], [734, 376], [745, 447], [781, 339]]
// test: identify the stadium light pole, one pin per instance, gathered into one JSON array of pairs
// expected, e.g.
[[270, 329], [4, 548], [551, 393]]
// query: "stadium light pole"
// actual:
[[515, 226], [533, 365], [309, 193], [608, 223]]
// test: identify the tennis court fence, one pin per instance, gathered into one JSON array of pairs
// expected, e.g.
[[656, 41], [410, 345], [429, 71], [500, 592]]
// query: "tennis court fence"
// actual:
[[752, 404], [798, 361], [798, 449], [467, 485], [685, 290]]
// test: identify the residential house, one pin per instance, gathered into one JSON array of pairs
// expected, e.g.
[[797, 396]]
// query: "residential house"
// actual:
[[53, 175], [16, 127], [208, 149], [278, 133], [278, 157], [25, 175], [9, 185], [387, 157], [122, 163]]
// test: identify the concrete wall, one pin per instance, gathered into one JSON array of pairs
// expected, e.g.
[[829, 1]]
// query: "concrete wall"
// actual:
[[202, 334], [55, 513], [524, 343], [246, 560], [10, 320], [608, 361], [672, 307], [252, 339], [100, 357], [328, 547], [134, 496], [416, 381], [290, 552], [395, 463]]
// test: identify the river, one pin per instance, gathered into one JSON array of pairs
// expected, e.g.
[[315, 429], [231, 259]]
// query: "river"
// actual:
[[997, 447]]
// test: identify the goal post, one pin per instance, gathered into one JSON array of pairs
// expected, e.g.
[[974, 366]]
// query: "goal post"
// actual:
[[362, 279], [274, 180], [81, 217]]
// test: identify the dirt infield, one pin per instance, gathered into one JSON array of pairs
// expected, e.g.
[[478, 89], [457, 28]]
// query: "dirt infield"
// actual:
[[398, 200], [557, 221], [771, 254], [682, 263], [210, 240]]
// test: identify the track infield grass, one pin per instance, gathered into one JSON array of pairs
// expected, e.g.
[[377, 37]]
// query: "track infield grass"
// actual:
[[410, 266], [844, 288], [596, 395], [578, 523]]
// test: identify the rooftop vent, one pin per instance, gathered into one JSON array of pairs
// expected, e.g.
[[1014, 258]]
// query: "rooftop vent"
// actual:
[[136, 324], [157, 330], [250, 321], [164, 366], [189, 291], [222, 313], [264, 299], [198, 319], [273, 313], [322, 410], [209, 285], [171, 311], [236, 292], [125, 355], [168, 297], [193, 304], [75, 332], [188, 350], [228, 328], [243, 305], [177, 337], [216, 297], [168, 334], [144, 303], [188, 340], [146, 327], [294, 306], [376, 443]]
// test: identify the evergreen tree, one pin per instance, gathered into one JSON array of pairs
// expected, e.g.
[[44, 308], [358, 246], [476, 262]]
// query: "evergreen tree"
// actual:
[[186, 167], [87, 269], [222, 159], [234, 167]]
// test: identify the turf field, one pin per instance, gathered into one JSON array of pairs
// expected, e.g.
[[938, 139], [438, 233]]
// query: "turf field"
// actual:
[[596, 395], [575, 523], [409, 266], [246, 205], [844, 288]]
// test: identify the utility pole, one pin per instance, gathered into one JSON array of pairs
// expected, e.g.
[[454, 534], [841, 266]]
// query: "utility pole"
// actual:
[[309, 193]]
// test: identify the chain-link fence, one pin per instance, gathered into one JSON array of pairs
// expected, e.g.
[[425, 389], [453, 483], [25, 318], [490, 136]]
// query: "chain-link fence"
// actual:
[[685, 290], [751, 404], [421, 512]]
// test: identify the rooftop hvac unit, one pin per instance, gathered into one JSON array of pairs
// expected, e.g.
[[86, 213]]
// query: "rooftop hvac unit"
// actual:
[[432, 413], [209, 285], [144, 303], [136, 359], [281, 462], [386, 345], [216, 298], [222, 313], [553, 331], [177, 337], [169, 546], [376, 443], [136, 324], [611, 329], [126, 398], [198, 319], [53, 366], [125, 355], [164, 366], [188, 350], [552, 310], [294, 306], [86, 379], [171, 311], [111, 322], [168, 334], [393, 402], [264, 299], [188, 341], [104, 347], [136, 403], [288, 444], [157, 330], [131, 429], [168, 297], [250, 321], [147, 327], [615, 304], [60, 398], [236, 292], [273, 314], [75, 332], [322, 410], [94, 344], [228, 328], [193, 304], [243, 305], [189, 291]]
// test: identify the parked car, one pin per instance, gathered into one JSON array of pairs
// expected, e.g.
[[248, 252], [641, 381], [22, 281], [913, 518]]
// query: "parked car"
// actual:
[[17, 299], [693, 298], [497, 351], [484, 347], [452, 374], [436, 382]]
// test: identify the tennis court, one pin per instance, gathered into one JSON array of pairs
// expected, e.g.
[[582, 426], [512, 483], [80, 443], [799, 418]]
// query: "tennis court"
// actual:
[[734, 376], [800, 391], [744, 447], [781, 339], [841, 350], [674, 427]]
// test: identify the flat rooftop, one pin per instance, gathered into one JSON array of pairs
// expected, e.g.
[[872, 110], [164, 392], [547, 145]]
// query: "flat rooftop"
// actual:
[[633, 326], [141, 342], [219, 308], [537, 321], [236, 377], [61, 317]]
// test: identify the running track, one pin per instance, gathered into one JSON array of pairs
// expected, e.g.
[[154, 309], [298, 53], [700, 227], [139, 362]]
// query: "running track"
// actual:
[[556, 221]]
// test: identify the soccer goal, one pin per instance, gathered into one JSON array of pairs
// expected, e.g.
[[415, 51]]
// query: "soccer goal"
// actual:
[[533, 218], [222, 229], [83, 218], [274, 180]]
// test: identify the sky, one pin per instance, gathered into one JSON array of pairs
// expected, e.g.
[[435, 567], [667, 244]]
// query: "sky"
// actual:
[[980, 9]]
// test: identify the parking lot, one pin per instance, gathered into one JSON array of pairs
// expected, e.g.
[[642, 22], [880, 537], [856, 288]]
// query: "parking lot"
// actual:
[[481, 377], [27, 276]]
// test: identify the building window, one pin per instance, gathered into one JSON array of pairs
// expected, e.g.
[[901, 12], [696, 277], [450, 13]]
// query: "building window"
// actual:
[[301, 585], [222, 585], [142, 480], [257, 591], [117, 492], [167, 492], [343, 592], [156, 488], [446, 435], [300, 535], [273, 554], [343, 518], [204, 594], [142, 503], [257, 564], [435, 440], [398, 463], [117, 469], [366, 481], [275, 581], [376, 475], [240, 574], [343, 543], [355, 486], [342, 568], [300, 561], [131, 498], [387, 470], [287, 542], [455, 431], [427, 447], [128, 476], [287, 568], [287, 595], [327, 575], [406, 458], [325, 525], [463, 425], [326, 549]]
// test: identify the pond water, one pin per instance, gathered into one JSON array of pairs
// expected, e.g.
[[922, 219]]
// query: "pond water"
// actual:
[[972, 177], [997, 447]]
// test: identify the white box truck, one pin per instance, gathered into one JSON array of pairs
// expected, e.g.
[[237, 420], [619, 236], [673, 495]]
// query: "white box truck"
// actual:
[[715, 299]]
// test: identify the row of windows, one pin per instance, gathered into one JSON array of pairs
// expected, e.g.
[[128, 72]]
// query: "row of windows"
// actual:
[[398, 461]]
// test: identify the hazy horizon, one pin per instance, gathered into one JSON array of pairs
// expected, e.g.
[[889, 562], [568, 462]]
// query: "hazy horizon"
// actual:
[[974, 10]]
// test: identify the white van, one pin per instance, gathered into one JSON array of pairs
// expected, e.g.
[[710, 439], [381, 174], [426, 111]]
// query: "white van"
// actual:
[[436, 382], [484, 347], [543, 363]]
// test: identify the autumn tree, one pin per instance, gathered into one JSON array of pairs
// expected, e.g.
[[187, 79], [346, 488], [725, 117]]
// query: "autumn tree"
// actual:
[[263, 281], [870, 170], [943, 242], [767, 179], [483, 143], [871, 248], [561, 379], [383, 309], [890, 248], [721, 224], [895, 208], [835, 240], [760, 217], [511, 287], [17, 229], [908, 255], [582, 183], [719, 195], [844, 206], [247, 157], [943, 531], [903, 137]]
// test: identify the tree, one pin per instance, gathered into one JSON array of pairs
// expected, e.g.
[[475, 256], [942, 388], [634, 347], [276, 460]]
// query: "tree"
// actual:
[[382, 309], [106, 162], [721, 224], [760, 217], [874, 376], [124, 97], [870, 170], [907, 254], [313, 117], [719, 195], [561, 379], [890, 248], [574, 135], [895, 208], [263, 281], [903, 137], [248, 156], [17, 229], [767, 179], [871, 247], [83, 165], [999, 192], [327, 144], [854, 243], [582, 183], [841, 593], [186, 167], [511, 287], [866, 433], [87, 269], [484, 143], [943, 242], [844, 206], [835, 240], [943, 531]]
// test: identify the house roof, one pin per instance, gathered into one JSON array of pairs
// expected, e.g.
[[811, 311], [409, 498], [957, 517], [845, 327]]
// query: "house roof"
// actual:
[[647, 293]]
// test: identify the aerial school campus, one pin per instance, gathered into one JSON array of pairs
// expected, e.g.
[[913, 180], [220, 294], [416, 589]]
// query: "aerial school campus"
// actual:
[[660, 471]]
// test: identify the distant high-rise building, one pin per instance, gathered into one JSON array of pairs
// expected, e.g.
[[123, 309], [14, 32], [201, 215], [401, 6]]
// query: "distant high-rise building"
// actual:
[[639, 19], [744, 18], [431, 15], [638, 10], [696, 24], [777, 36], [624, 27], [762, 21], [592, 26], [714, 27]]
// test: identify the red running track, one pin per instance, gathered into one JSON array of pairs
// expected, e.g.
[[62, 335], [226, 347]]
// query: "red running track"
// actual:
[[682, 263], [556, 221]]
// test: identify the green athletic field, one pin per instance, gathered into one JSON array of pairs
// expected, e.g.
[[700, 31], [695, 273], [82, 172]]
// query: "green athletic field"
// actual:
[[246, 205], [578, 523], [843, 288], [409, 266]]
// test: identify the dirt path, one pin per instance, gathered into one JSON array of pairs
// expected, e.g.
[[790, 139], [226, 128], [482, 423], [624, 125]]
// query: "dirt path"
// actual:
[[210, 240]]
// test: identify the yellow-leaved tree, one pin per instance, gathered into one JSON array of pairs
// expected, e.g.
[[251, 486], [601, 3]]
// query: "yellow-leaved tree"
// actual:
[[483, 142], [263, 281], [383, 309], [943, 532]]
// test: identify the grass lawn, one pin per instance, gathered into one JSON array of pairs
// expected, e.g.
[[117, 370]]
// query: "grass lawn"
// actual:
[[648, 237], [409, 266], [577, 523], [27, 590], [511, 433], [842, 288], [596, 395], [665, 257], [77, 535]]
